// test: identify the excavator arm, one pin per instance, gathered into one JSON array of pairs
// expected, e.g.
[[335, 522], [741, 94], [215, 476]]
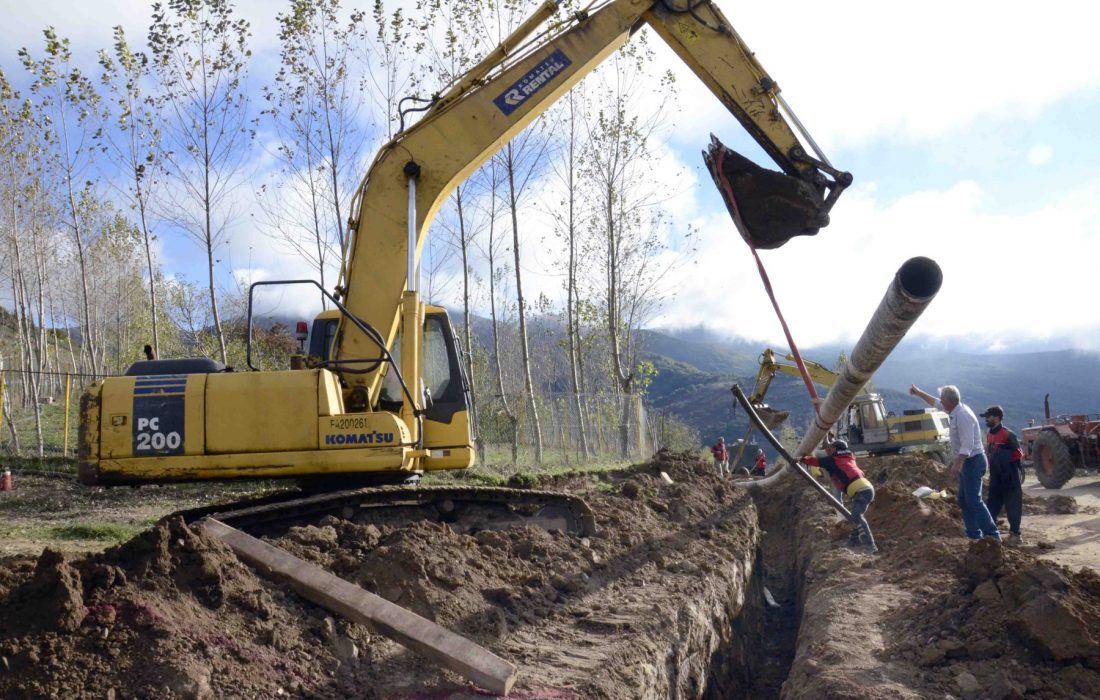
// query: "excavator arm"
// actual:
[[769, 366], [413, 175]]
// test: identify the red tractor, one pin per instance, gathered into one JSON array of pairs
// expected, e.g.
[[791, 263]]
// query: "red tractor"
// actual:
[[1061, 445]]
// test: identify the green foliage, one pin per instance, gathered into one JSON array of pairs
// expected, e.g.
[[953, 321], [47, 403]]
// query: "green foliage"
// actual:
[[671, 432], [644, 374], [99, 532]]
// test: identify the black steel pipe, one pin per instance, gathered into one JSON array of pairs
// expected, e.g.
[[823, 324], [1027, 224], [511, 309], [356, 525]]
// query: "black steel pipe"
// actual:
[[754, 417]]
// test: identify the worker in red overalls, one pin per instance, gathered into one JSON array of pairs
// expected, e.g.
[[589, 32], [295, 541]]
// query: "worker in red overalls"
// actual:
[[760, 466], [1006, 474], [840, 464], [721, 457]]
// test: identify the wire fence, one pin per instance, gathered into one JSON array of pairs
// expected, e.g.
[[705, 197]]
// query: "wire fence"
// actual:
[[39, 412], [570, 430], [39, 418]]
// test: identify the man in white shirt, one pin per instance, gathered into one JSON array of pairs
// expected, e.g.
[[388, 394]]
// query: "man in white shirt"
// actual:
[[970, 461]]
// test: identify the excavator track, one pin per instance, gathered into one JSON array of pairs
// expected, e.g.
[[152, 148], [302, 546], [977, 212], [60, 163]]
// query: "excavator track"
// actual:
[[470, 508]]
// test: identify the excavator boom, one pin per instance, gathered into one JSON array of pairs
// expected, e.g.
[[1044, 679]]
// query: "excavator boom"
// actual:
[[425, 162]]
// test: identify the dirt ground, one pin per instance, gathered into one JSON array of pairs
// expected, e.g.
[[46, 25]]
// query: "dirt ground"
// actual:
[[1072, 526], [43, 511], [694, 589]]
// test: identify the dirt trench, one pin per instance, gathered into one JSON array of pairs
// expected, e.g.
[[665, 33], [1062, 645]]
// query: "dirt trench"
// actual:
[[668, 600]]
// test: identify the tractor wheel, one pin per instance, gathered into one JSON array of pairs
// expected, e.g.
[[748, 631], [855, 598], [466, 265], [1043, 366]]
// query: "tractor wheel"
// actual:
[[938, 455], [1053, 464]]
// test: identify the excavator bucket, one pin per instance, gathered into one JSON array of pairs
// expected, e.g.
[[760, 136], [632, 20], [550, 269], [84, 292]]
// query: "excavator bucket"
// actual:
[[771, 417], [768, 207]]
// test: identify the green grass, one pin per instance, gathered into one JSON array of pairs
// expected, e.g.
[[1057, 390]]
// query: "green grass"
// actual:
[[53, 427], [99, 532], [64, 465]]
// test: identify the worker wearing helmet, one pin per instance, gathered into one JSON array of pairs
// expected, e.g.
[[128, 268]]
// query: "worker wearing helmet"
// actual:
[[760, 466], [840, 464]]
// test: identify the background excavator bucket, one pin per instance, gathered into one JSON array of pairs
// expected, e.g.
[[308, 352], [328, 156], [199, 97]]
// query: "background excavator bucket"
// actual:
[[771, 417], [768, 207]]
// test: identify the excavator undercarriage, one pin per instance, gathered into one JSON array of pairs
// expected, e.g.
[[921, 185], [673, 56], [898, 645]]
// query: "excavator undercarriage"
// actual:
[[465, 509]]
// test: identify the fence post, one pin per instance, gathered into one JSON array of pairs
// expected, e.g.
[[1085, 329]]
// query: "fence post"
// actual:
[[1, 406], [68, 392]]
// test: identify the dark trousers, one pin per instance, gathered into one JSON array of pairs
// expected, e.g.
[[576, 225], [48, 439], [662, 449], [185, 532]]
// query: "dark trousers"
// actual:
[[861, 533], [1005, 490]]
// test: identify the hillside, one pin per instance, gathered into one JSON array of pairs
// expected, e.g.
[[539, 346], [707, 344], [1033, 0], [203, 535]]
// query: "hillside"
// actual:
[[693, 385], [696, 369]]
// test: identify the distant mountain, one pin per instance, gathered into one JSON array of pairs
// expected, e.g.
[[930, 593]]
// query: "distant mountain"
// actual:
[[695, 376], [696, 368]]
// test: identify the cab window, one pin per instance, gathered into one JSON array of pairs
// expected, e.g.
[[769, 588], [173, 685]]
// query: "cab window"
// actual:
[[321, 338], [870, 416], [437, 360]]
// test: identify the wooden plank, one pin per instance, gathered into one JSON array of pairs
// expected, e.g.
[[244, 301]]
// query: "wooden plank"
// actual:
[[461, 655]]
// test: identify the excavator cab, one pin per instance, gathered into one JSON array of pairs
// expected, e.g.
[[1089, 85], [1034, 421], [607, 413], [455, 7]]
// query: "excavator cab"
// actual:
[[446, 426]]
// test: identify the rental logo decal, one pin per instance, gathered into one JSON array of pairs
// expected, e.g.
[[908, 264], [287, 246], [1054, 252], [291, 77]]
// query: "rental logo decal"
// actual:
[[535, 79]]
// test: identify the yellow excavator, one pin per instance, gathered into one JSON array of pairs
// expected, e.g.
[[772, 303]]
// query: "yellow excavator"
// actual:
[[381, 396], [867, 425]]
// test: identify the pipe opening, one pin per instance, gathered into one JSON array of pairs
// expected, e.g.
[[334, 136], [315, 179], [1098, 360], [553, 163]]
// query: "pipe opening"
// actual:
[[920, 277]]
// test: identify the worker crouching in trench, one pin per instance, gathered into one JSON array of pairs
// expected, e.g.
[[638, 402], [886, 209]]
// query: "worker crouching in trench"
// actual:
[[840, 464]]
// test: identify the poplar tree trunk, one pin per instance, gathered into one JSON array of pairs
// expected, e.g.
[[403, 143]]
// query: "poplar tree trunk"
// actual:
[[464, 245], [524, 351], [572, 323]]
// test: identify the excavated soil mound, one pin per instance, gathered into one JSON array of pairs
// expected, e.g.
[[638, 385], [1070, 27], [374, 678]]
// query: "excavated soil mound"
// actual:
[[618, 615], [169, 614], [934, 615], [1009, 626], [911, 469], [664, 601], [644, 604], [1050, 505]]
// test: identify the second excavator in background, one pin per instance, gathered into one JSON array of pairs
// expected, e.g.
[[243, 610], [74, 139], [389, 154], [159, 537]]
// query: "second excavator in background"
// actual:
[[867, 425]]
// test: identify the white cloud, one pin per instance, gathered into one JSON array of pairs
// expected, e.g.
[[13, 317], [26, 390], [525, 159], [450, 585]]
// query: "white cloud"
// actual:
[[865, 69], [1040, 154], [1006, 277], [856, 72]]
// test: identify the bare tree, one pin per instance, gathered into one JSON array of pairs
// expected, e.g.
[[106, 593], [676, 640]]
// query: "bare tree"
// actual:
[[567, 223], [314, 106], [199, 52], [450, 58], [496, 276], [532, 144], [389, 40], [69, 108], [135, 144], [626, 222]]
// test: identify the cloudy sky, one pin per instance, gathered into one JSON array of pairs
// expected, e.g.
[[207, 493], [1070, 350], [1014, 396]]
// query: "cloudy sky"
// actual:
[[969, 128]]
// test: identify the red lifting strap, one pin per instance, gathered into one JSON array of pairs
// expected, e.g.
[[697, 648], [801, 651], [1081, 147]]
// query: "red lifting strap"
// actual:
[[732, 201]]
